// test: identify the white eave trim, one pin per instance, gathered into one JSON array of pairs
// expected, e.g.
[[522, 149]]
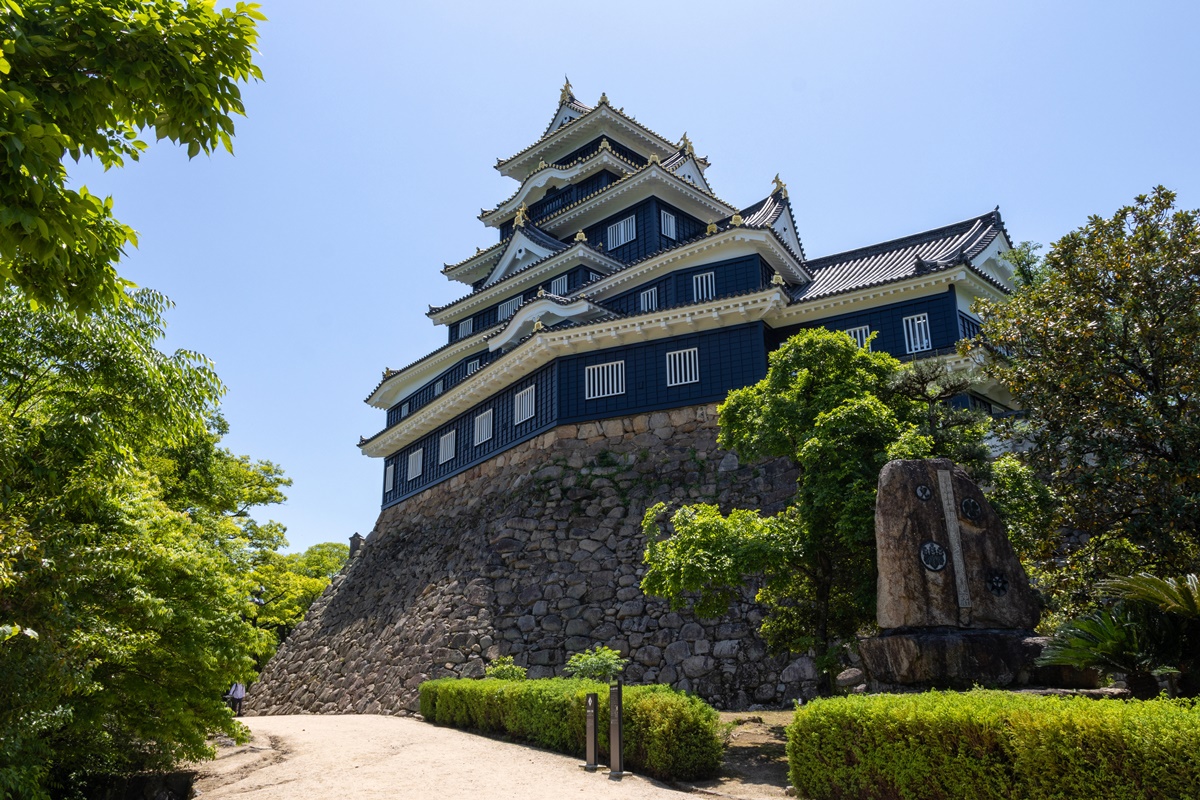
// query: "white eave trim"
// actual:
[[544, 347], [523, 279], [594, 163], [708, 207], [579, 129], [534, 310], [403, 382]]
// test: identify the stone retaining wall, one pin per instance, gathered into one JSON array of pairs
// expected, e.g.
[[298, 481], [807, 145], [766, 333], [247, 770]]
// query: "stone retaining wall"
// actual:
[[537, 553]]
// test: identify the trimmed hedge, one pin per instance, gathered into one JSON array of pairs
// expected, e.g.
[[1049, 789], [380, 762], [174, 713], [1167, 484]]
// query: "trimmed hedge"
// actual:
[[989, 744], [667, 734]]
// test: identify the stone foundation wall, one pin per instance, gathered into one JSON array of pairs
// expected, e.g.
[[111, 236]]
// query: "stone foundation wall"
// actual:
[[537, 553]]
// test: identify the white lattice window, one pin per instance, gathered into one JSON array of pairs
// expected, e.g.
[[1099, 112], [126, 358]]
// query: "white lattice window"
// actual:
[[704, 286], [916, 333], [508, 308], [648, 300], [523, 405], [389, 478], [465, 328], [859, 334], [558, 286], [668, 224], [483, 427], [622, 232], [604, 380], [414, 463], [446, 446], [473, 366], [683, 366], [439, 387], [403, 410]]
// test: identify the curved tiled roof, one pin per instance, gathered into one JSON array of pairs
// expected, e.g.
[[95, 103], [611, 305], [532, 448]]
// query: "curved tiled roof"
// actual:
[[906, 257], [487, 212]]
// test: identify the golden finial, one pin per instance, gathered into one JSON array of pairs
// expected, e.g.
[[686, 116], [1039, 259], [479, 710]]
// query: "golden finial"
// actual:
[[542, 164], [581, 236], [777, 280], [685, 144], [603, 99], [566, 94], [780, 186], [537, 326], [522, 217], [653, 159], [736, 220], [478, 249], [541, 291], [712, 228], [604, 145]]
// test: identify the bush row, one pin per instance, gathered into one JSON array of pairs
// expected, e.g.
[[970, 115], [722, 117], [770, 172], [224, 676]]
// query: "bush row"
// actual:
[[667, 734], [987, 744]]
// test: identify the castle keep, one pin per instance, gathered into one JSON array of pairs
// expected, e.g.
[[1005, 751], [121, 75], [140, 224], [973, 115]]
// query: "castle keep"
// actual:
[[577, 387]]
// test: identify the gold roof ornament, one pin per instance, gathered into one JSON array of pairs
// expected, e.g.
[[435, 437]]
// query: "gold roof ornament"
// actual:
[[780, 186], [712, 228], [653, 159], [736, 220], [604, 145], [603, 99], [541, 291], [777, 280], [542, 164], [566, 94], [581, 236], [685, 144], [537, 326], [522, 217]]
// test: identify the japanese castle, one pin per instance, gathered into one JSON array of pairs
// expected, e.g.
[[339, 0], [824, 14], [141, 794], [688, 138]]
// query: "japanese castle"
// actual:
[[621, 284]]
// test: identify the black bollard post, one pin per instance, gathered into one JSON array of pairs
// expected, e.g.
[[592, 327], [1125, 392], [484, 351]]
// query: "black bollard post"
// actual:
[[592, 750], [616, 759]]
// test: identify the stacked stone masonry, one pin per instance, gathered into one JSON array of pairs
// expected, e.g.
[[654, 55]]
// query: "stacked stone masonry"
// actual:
[[537, 554]]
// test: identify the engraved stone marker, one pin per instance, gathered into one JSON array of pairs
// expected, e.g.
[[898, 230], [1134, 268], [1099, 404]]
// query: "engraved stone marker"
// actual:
[[944, 559]]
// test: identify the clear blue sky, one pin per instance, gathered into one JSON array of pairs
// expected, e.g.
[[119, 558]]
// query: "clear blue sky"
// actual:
[[304, 264]]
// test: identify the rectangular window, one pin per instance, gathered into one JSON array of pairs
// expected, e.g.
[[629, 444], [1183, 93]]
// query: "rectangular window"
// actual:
[[508, 308], [466, 327], [648, 300], [683, 366], [404, 411], [523, 405], [438, 388], [604, 380], [558, 286], [414, 463], [389, 478], [446, 446], [916, 333], [668, 225], [622, 232], [859, 334], [704, 286], [483, 427], [473, 366]]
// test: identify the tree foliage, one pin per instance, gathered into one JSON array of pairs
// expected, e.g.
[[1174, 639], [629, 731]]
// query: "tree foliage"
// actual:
[[1100, 348], [840, 412], [125, 547], [85, 78]]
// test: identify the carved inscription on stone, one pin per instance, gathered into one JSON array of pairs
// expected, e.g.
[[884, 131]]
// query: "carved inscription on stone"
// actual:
[[964, 573]]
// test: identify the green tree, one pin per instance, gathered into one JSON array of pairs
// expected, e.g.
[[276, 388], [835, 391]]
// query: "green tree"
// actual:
[[840, 412], [287, 584], [1101, 350], [134, 605], [85, 78]]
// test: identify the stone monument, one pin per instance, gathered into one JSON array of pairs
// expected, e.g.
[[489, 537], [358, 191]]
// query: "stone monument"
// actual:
[[955, 608]]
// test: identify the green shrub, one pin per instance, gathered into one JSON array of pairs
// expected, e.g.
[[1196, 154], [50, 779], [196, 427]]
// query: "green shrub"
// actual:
[[988, 744], [502, 668], [667, 734], [596, 664]]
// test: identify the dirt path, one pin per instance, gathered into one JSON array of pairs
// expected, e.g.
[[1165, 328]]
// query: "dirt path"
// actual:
[[362, 756]]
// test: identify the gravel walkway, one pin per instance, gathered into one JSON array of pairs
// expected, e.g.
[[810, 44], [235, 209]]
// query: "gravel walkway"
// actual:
[[362, 756]]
